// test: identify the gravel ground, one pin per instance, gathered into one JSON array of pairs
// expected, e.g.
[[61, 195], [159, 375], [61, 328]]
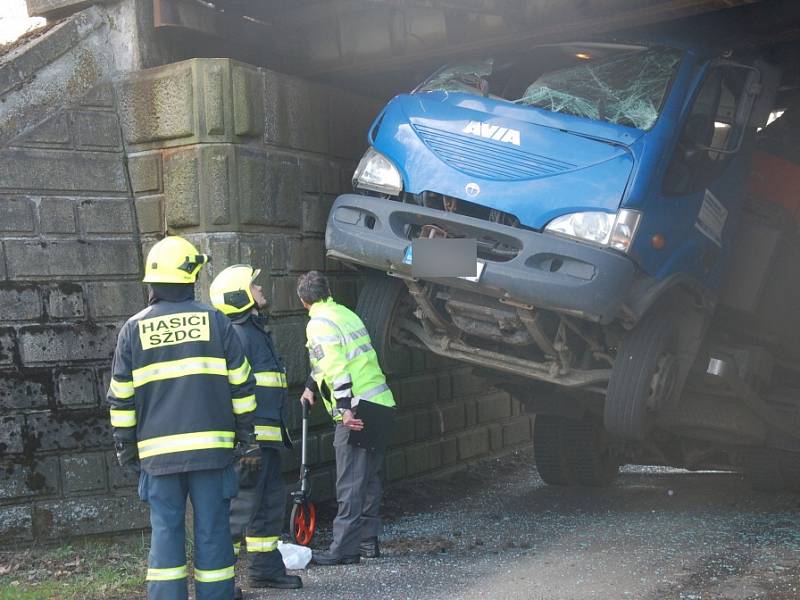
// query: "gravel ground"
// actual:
[[495, 530]]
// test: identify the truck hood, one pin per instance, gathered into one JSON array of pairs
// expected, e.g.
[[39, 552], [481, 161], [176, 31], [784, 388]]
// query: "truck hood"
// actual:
[[521, 160]]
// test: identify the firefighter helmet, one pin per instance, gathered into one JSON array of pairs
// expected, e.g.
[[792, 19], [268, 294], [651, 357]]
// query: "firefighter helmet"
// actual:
[[173, 260], [230, 291]]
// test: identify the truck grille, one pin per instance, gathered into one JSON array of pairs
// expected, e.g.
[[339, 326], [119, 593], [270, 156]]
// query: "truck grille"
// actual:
[[487, 159]]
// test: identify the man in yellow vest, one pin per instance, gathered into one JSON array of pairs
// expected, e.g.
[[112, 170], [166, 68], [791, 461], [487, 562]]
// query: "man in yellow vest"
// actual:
[[181, 397], [345, 373]]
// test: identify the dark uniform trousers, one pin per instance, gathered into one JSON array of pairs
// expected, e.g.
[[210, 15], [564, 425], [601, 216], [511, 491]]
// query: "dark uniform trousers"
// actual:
[[210, 492], [358, 492], [258, 512]]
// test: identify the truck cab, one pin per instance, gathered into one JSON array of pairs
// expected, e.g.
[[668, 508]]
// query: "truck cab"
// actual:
[[603, 185]]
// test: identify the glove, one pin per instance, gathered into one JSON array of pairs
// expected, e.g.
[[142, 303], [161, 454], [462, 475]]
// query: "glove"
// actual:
[[128, 456]]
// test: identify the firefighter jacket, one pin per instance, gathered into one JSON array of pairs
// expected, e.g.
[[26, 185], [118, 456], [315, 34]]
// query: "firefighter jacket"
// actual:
[[344, 365], [181, 388], [271, 393]]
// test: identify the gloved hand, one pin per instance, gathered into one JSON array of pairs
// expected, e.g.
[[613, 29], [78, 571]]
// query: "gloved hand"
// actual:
[[128, 456]]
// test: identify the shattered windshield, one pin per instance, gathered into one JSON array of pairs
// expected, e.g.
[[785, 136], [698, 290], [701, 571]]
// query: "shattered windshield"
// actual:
[[624, 85]]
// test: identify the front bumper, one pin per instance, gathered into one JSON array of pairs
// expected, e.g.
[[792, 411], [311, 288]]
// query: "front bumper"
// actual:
[[548, 271]]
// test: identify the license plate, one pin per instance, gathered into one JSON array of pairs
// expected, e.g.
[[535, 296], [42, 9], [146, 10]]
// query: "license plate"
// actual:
[[408, 259]]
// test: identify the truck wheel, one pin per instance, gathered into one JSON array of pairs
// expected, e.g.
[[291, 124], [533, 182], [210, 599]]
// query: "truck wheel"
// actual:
[[381, 303], [549, 450], [644, 377], [762, 470], [589, 457]]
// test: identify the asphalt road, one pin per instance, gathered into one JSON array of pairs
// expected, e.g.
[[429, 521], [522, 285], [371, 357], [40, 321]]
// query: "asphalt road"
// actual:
[[495, 530]]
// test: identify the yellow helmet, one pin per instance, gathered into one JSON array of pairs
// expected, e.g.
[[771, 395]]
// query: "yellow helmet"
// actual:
[[173, 260], [230, 291]]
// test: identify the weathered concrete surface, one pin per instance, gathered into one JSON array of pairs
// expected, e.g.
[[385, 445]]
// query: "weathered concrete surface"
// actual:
[[55, 8]]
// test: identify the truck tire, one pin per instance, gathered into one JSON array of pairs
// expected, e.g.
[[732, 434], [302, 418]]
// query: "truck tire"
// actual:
[[549, 450], [379, 305], [589, 457], [643, 378]]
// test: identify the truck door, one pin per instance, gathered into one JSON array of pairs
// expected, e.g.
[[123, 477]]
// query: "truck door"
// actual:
[[696, 207]]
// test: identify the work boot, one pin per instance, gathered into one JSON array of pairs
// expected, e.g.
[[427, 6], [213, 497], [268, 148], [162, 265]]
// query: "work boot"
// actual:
[[283, 582], [326, 558], [369, 548]]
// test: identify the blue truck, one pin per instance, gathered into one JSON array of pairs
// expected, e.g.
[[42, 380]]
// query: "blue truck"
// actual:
[[626, 288]]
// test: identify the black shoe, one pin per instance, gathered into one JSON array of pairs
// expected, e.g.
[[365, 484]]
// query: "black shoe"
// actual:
[[237, 594], [326, 558], [369, 548], [283, 582]]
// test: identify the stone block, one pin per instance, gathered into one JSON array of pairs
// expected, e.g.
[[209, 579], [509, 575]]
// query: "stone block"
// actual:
[[467, 384], [89, 516], [423, 424], [296, 113], [283, 188], [101, 95], [50, 132], [423, 457], [9, 78], [322, 482], [290, 339], [16, 524], [350, 119], [115, 299], [65, 301], [451, 417], [7, 345], [16, 214], [248, 101], [28, 391], [94, 129], [158, 104], [83, 473], [105, 216], [473, 443], [119, 478], [3, 273], [306, 254], [494, 406], [77, 388], [420, 389], [26, 480], [517, 431], [71, 258], [444, 386], [145, 172], [44, 170], [449, 451], [315, 213], [284, 294], [20, 303], [182, 188], [57, 215], [255, 199], [403, 429], [57, 42], [471, 411], [395, 465], [55, 8], [84, 341], [69, 430], [150, 214], [326, 453], [495, 436], [11, 434]]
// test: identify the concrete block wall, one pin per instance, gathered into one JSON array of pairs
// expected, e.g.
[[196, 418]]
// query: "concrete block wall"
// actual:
[[245, 163]]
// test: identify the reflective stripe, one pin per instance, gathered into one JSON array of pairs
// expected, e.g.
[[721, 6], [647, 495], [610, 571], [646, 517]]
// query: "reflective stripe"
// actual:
[[358, 350], [244, 405], [326, 339], [373, 392], [343, 393], [343, 381], [121, 389], [315, 370], [357, 334], [271, 379], [197, 365], [332, 339], [166, 574], [123, 418], [213, 575], [268, 433], [184, 442], [239, 375], [261, 544]]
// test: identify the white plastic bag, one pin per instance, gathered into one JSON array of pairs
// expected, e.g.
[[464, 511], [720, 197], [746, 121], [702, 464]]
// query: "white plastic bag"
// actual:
[[294, 557]]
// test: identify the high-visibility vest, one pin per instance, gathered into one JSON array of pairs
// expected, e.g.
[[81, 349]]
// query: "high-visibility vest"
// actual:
[[270, 373], [181, 387], [343, 361]]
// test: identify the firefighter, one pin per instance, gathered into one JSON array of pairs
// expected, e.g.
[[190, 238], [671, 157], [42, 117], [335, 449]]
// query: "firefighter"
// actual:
[[258, 511], [182, 396], [344, 372]]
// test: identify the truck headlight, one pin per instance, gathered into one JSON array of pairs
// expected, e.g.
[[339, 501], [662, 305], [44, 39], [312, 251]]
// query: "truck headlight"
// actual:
[[606, 229], [377, 173]]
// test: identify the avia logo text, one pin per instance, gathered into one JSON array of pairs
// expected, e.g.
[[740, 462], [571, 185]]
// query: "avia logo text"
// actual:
[[493, 132]]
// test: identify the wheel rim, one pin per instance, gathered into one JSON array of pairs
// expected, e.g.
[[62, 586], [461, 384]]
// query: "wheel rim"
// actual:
[[304, 522]]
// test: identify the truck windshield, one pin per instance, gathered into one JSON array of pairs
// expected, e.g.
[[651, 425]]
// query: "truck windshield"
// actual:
[[621, 86]]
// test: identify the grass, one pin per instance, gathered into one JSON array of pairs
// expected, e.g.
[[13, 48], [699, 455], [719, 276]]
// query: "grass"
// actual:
[[86, 570]]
